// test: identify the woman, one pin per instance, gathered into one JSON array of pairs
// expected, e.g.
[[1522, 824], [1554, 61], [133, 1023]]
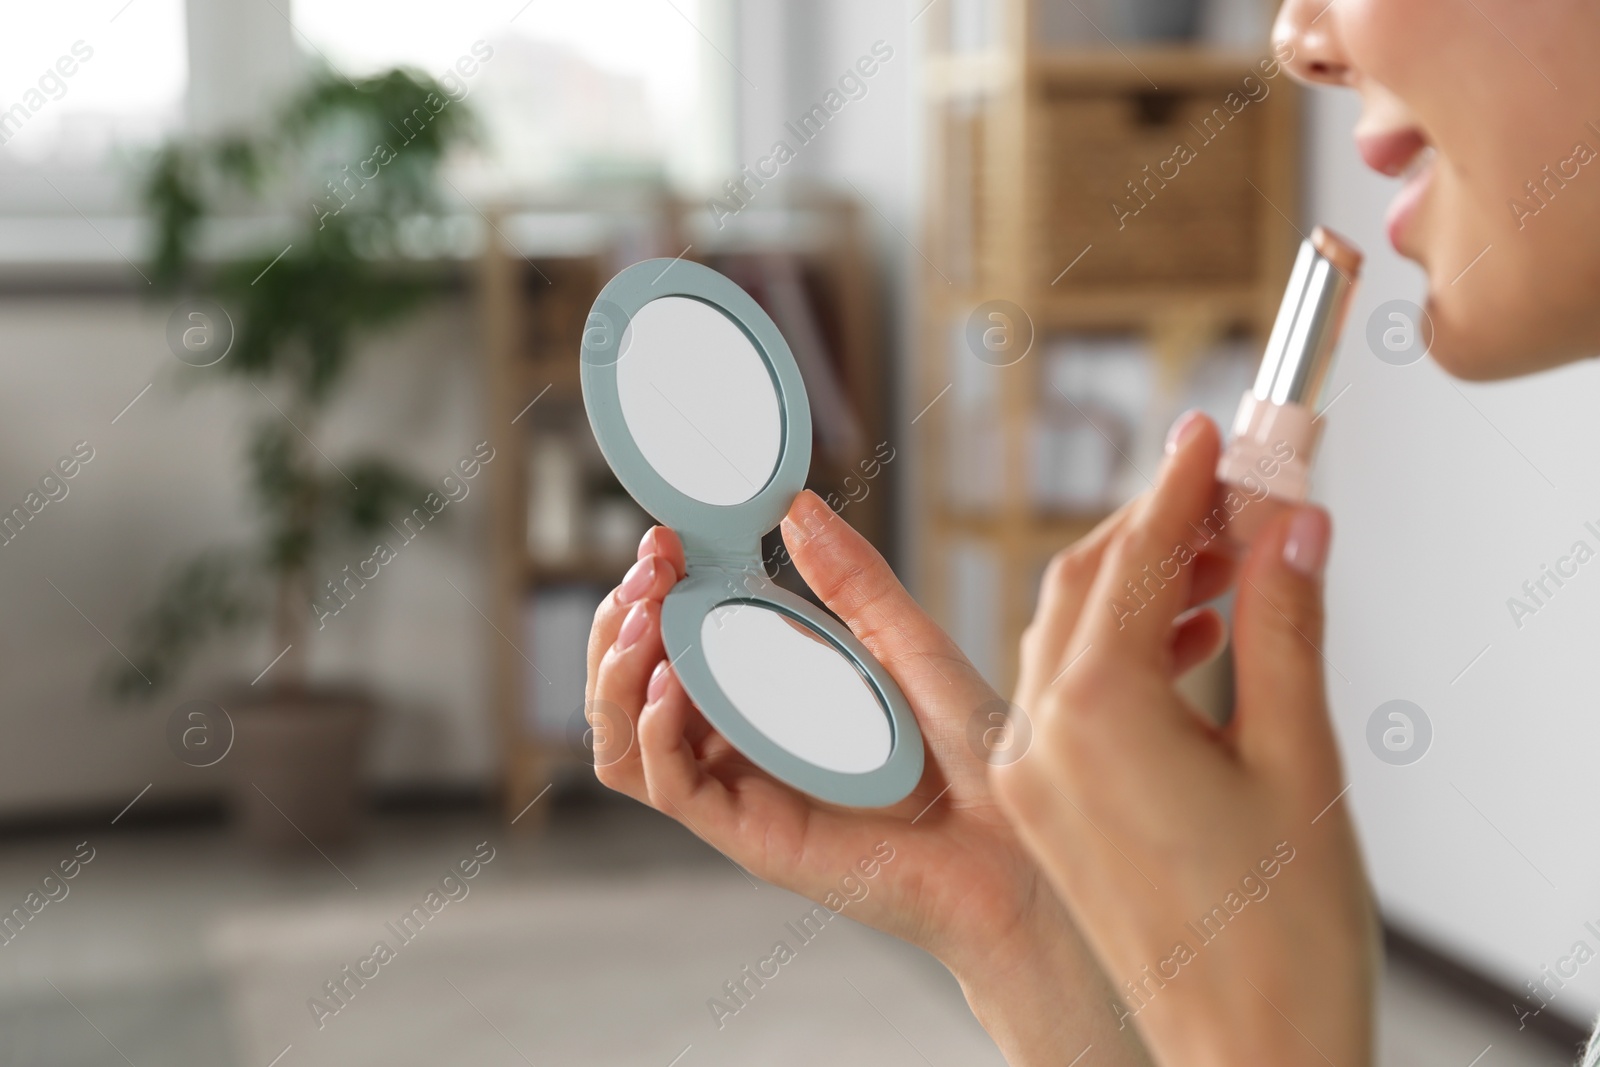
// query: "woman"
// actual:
[[1128, 817]]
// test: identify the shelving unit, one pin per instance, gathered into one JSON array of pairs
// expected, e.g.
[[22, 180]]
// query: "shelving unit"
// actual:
[[804, 260], [1029, 147], [534, 294]]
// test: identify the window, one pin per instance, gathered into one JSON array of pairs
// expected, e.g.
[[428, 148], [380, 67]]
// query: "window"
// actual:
[[570, 92], [81, 81]]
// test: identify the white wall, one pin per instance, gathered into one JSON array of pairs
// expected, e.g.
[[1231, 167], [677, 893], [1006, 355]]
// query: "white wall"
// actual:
[[166, 480], [1442, 510]]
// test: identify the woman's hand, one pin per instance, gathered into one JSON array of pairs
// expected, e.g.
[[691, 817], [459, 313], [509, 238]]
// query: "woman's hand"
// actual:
[[947, 871], [1214, 871]]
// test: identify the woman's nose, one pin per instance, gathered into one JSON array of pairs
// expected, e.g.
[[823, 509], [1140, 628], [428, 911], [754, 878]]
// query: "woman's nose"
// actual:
[[1306, 38]]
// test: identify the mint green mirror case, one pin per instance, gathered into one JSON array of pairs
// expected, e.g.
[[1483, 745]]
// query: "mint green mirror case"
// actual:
[[722, 541]]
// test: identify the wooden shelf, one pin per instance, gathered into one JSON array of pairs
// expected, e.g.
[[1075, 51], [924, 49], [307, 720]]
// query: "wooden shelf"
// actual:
[[1157, 69], [1128, 308], [1153, 69], [1031, 150], [561, 375]]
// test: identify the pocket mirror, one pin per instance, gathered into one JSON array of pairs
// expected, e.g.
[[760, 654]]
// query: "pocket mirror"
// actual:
[[699, 408]]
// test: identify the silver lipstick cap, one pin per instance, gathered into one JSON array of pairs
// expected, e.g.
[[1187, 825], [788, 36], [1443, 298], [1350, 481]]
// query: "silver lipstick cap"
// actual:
[[1306, 332]]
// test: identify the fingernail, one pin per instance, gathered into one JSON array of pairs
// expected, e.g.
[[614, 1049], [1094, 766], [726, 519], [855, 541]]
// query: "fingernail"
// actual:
[[647, 544], [1306, 548], [636, 583], [658, 683], [1183, 429], [633, 627], [815, 515]]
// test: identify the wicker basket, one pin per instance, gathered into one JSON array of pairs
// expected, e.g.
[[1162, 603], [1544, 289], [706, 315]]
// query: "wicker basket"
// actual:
[[1113, 176]]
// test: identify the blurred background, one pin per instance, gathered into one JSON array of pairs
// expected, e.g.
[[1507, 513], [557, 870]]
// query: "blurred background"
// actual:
[[302, 527]]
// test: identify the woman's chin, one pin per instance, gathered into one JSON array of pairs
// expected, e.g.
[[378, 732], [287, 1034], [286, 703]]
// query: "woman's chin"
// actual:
[[1476, 343], [1461, 354]]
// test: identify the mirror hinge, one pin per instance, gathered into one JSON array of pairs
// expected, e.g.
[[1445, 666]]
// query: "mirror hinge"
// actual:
[[733, 564]]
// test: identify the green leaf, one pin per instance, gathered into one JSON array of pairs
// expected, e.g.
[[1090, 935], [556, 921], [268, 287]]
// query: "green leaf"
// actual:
[[202, 599], [382, 491]]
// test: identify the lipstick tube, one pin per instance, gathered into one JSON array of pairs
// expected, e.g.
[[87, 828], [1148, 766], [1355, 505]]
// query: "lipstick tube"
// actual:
[[1266, 467]]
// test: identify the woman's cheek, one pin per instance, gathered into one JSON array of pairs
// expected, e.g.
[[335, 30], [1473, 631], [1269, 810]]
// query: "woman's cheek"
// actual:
[[1502, 298]]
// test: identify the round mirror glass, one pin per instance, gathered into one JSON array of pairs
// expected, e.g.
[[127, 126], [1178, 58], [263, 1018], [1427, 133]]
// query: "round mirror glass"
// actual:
[[699, 400], [796, 687]]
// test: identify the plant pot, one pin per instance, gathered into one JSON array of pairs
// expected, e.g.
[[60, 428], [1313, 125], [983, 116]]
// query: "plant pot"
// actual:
[[1156, 20], [296, 764]]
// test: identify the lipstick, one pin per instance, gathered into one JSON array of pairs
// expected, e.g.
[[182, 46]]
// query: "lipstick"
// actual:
[[1267, 464]]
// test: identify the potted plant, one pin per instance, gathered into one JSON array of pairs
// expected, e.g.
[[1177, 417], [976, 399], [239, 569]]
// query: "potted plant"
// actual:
[[282, 318]]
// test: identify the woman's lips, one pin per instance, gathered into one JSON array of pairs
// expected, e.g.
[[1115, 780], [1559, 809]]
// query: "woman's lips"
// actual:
[[1419, 175], [1396, 153], [1391, 151]]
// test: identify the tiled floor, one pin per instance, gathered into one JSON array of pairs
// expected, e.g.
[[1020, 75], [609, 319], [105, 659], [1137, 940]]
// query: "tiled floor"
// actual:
[[600, 943]]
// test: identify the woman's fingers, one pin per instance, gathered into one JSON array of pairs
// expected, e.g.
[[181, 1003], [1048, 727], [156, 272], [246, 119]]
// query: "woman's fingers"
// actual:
[[1065, 589], [619, 695], [732, 806], [1195, 639], [674, 780], [852, 579], [1148, 572], [659, 568], [1281, 716], [614, 692], [1061, 596], [663, 541], [649, 579], [1215, 572]]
